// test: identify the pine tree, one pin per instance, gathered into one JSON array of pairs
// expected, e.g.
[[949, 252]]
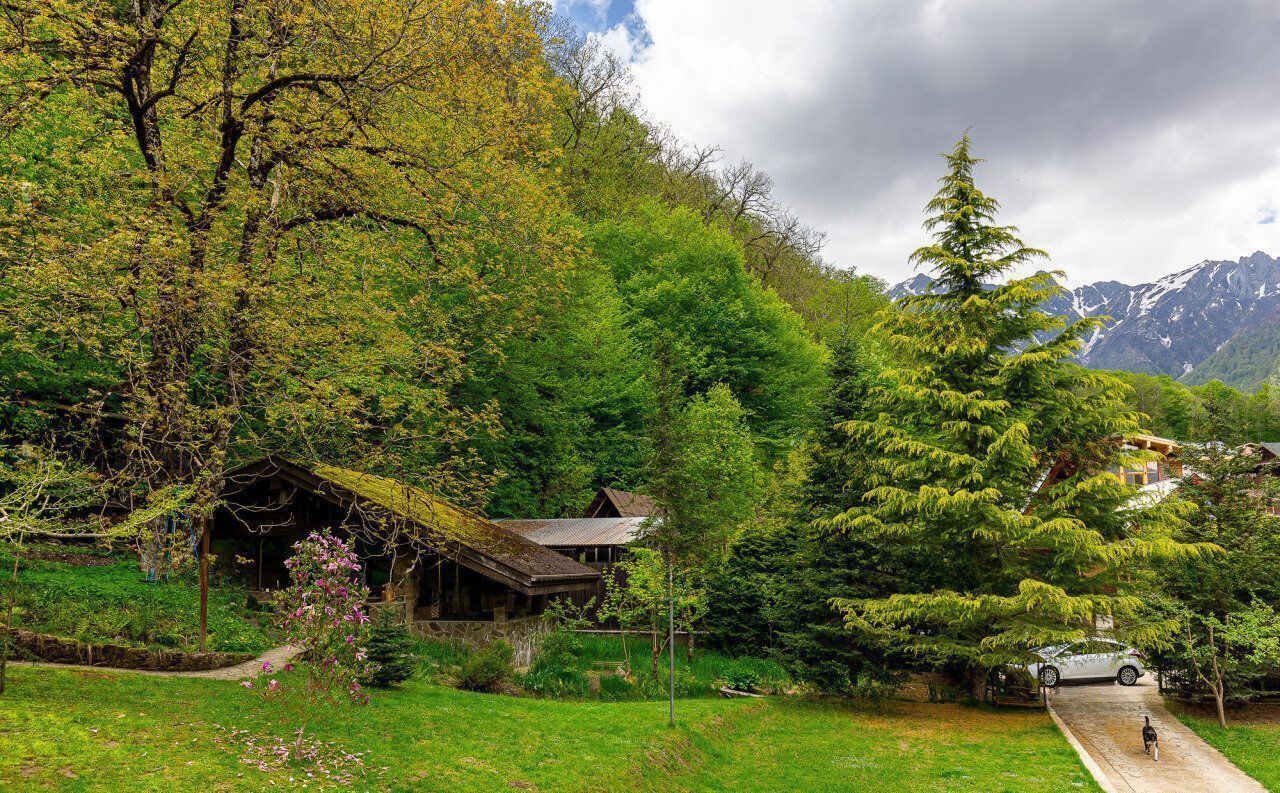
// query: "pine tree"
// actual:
[[985, 406]]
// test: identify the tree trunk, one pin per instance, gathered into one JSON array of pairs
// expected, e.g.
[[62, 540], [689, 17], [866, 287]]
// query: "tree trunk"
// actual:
[[978, 683], [656, 652], [8, 618], [1219, 699]]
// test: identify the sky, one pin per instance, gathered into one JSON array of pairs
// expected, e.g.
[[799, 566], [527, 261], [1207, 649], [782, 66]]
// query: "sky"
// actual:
[[1128, 138]]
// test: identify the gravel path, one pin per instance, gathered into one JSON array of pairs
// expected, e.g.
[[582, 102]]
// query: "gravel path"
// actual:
[[1107, 721], [277, 656]]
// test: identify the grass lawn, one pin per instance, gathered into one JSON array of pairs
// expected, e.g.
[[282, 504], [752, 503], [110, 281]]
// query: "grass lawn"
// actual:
[[81, 730], [1253, 745], [103, 598]]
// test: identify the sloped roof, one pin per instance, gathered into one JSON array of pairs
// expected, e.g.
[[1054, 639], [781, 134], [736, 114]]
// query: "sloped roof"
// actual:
[[564, 532], [478, 542], [610, 503], [1272, 447]]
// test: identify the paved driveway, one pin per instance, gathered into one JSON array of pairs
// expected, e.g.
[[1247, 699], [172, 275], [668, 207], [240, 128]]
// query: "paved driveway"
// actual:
[[1107, 721]]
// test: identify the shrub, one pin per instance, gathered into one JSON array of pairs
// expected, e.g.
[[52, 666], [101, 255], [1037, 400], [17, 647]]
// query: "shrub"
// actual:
[[742, 676], [487, 668], [391, 656], [556, 682], [615, 687], [558, 649]]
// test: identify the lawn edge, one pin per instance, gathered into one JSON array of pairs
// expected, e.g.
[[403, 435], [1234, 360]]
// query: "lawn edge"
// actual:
[[1090, 764]]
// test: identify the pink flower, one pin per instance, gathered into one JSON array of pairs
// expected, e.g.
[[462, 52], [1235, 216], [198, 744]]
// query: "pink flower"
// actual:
[[273, 686], [288, 667], [247, 683], [266, 666]]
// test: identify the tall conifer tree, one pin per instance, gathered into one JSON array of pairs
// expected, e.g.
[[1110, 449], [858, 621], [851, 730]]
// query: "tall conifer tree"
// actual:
[[984, 409]]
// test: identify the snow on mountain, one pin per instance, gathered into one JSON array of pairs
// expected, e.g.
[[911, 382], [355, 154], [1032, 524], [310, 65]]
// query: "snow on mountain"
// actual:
[[1171, 325]]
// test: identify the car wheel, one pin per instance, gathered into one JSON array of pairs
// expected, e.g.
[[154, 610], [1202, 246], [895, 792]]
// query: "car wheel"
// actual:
[[1049, 677], [1127, 676]]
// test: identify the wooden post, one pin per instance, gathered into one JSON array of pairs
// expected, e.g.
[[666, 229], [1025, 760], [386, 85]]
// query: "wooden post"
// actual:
[[204, 580]]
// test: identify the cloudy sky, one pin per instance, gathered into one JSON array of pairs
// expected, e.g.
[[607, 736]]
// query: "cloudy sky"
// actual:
[[1129, 138]]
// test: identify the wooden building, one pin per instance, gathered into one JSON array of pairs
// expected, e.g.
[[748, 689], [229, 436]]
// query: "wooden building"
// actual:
[[1268, 454], [611, 503], [615, 520], [1166, 466], [440, 561]]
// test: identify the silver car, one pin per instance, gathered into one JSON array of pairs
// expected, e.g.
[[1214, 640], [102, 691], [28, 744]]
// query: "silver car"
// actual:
[[1088, 659]]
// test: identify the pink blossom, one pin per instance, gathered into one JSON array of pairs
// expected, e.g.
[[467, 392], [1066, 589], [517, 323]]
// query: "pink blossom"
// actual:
[[247, 683]]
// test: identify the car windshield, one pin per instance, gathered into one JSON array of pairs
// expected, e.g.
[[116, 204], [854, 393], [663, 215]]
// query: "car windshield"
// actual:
[[1051, 651]]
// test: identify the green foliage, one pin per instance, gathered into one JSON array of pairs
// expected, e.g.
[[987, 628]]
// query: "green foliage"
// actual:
[[1225, 602], [970, 420], [1248, 361], [391, 656], [1209, 412], [113, 604], [637, 594], [742, 677], [488, 668], [572, 400], [822, 562], [685, 282]]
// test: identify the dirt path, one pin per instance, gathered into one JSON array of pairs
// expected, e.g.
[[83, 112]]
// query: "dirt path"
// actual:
[[1107, 721], [277, 656]]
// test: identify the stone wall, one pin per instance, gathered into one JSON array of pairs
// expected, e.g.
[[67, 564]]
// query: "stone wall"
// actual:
[[28, 645], [522, 634]]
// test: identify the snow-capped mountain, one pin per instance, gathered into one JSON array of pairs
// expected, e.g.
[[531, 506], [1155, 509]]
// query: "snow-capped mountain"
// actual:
[[1172, 325]]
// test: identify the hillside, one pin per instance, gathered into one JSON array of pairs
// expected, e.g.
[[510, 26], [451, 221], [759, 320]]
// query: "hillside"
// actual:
[[1218, 315], [1248, 361]]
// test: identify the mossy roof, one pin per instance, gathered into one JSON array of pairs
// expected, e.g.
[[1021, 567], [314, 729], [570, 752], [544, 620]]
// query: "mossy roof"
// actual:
[[447, 523]]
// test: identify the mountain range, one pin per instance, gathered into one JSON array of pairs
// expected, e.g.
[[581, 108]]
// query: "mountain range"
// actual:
[[1214, 320]]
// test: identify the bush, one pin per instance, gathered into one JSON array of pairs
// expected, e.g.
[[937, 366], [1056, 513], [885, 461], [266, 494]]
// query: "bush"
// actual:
[[742, 676], [559, 649], [615, 687], [487, 668], [391, 655], [556, 682]]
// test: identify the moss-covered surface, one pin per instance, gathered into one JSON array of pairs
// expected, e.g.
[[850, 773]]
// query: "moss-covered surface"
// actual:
[[449, 523]]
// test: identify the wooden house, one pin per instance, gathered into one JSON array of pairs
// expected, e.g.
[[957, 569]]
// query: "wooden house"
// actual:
[[1166, 466], [1162, 472], [440, 562]]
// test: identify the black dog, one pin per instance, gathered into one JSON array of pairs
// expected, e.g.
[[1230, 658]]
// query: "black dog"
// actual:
[[1149, 738]]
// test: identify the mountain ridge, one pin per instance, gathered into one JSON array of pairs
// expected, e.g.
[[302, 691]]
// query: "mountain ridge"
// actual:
[[1179, 322]]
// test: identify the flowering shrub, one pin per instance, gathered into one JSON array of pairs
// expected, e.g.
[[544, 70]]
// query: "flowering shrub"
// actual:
[[324, 616]]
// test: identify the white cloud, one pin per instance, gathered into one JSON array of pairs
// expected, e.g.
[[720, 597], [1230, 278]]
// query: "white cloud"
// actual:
[[619, 39], [1128, 140]]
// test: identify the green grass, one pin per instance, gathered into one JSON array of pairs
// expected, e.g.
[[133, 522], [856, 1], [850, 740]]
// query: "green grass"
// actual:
[[113, 604], [439, 662], [67, 730], [1254, 747]]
